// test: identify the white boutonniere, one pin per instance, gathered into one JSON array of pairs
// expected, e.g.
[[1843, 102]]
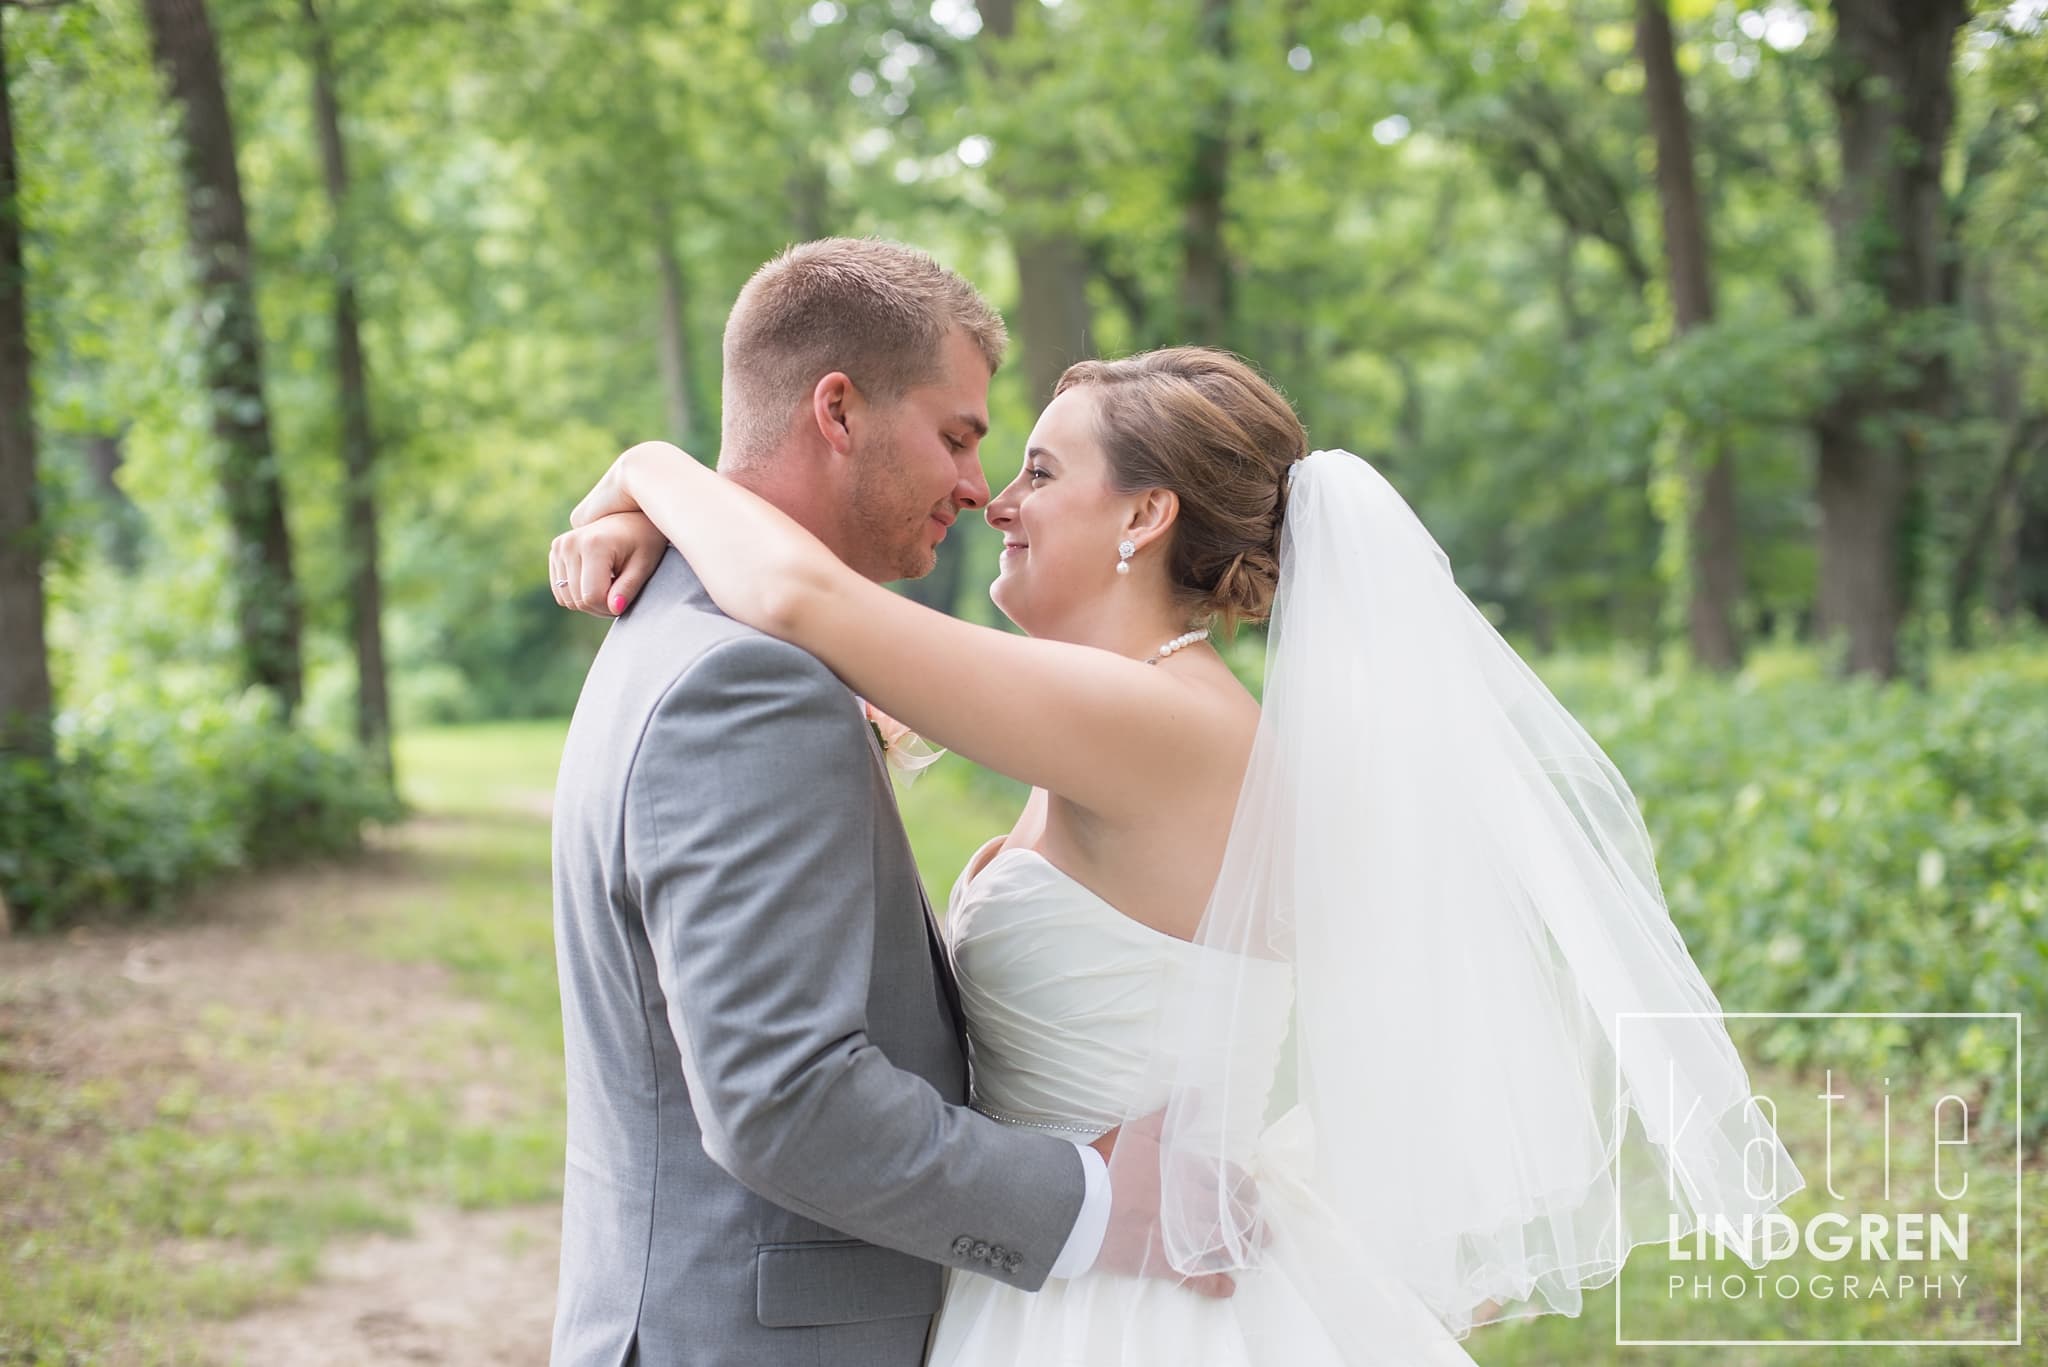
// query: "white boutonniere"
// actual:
[[905, 752]]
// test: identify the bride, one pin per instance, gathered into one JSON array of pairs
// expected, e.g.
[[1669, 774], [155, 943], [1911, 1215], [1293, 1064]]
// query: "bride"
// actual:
[[1384, 961]]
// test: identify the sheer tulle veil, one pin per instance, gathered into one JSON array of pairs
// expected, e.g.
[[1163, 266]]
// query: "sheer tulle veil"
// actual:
[[1448, 1040]]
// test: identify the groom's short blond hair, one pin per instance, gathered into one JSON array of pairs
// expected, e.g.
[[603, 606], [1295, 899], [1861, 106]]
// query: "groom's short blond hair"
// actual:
[[874, 310]]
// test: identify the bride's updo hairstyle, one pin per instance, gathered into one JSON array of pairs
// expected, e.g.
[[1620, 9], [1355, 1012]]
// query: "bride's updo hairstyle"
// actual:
[[1206, 425]]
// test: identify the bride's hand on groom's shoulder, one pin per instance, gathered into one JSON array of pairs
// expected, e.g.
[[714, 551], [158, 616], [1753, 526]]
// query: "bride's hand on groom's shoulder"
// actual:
[[600, 566]]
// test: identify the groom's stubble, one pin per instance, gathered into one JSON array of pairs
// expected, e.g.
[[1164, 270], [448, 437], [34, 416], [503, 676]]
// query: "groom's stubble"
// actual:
[[889, 518], [901, 483]]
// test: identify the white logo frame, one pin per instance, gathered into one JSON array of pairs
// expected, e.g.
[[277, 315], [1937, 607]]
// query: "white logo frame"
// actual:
[[2019, 1182]]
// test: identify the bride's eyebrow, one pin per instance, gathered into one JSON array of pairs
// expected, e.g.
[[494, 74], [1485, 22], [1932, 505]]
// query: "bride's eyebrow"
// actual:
[[1040, 453]]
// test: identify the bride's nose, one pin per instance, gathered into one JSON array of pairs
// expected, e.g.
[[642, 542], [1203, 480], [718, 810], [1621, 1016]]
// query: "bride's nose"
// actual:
[[1002, 509]]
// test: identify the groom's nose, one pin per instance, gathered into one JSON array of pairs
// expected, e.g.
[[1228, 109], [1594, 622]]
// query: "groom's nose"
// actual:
[[972, 489]]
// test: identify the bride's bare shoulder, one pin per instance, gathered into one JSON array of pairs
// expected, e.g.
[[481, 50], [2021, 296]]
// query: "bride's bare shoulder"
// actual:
[[1227, 703]]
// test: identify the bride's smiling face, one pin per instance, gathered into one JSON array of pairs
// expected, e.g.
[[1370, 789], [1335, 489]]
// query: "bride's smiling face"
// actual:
[[1060, 519]]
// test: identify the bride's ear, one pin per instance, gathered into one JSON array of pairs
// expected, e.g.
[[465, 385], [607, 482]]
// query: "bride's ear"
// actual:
[[1152, 516]]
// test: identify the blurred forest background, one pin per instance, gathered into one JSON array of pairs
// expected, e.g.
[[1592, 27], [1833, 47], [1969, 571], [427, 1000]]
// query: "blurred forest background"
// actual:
[[1709, 337], [1684, 329]]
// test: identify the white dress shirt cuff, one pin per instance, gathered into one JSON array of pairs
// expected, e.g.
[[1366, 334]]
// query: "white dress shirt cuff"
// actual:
[[1085, 1242]]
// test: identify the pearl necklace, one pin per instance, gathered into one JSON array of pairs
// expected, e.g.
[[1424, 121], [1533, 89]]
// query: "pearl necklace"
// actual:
[[1178, 643]]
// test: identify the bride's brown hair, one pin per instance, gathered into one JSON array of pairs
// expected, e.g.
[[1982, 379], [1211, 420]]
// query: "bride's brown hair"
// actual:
[[1206, 425]]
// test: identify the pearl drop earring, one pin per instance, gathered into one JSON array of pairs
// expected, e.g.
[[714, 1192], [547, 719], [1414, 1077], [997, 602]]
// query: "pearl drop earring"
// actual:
[[1125, 549]]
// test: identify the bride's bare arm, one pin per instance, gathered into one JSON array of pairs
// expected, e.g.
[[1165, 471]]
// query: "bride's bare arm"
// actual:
[[1100, 730]]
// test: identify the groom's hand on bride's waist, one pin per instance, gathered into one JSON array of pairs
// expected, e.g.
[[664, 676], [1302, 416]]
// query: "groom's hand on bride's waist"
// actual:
[[1132, 1244]]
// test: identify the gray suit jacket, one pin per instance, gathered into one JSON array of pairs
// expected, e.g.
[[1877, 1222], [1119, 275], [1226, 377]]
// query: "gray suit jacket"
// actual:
[[769, 1154]]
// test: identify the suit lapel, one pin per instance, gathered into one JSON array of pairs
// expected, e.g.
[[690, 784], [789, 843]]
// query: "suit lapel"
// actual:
[[943, 955], [935, 937]]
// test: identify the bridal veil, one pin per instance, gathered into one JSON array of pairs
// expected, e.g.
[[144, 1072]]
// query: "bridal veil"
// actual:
[[1448, 1038]]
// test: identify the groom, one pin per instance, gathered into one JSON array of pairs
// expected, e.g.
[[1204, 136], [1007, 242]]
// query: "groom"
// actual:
[[770, 1155]]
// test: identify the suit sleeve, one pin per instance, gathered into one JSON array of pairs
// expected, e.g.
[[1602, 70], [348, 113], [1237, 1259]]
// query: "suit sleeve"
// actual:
[[749, 838]]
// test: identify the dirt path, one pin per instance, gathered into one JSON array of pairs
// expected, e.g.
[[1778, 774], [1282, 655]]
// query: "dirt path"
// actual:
[[137, 1014], [464, 1288]]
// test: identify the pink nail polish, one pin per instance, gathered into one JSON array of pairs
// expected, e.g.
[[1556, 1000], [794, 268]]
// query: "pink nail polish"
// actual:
[[618, 603]]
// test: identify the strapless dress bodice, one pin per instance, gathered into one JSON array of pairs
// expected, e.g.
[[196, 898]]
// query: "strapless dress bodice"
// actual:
[[1063, 996]]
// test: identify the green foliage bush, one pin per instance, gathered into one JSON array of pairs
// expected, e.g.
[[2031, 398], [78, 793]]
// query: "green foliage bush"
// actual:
[[146, 798], [1844, 846]]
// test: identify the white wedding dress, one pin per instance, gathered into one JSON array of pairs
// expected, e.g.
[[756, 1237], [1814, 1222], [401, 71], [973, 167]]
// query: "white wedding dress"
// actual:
[[1063, 995], [1436, 1007]]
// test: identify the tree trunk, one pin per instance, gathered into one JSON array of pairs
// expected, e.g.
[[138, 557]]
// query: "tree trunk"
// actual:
[[810, 198], [1997, 512], [1577, 327], [1054, 321], [674, 326], [125, 522], [358, 437], [2023, 561], [24, 663], [1053, 317], [1205, 265], [267, 598], [2004, 589], [1715, 546], [1991, 525], [1128, 289], [1894, 99], [1412, 424], [1861, 491]]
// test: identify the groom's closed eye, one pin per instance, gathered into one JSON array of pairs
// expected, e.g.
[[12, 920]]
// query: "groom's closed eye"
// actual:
[[969, 428]]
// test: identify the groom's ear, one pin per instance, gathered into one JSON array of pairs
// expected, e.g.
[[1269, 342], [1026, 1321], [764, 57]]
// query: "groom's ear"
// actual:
[[834, 402], [1152, 516]]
